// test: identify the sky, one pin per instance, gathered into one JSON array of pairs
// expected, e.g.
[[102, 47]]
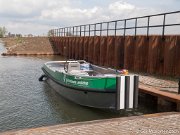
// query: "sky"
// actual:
[[38, 16]]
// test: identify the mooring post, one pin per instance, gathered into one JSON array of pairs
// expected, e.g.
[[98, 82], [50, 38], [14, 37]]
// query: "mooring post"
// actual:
[[127, 92]]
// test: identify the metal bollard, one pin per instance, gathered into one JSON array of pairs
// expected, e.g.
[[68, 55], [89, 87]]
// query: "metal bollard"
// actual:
[[127, 92]]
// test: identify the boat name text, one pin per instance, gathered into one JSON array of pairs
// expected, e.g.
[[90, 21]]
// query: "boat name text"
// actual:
[[76, 82]]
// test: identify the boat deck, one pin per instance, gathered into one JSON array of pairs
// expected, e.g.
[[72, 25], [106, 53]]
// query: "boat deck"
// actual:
[[95, 71]]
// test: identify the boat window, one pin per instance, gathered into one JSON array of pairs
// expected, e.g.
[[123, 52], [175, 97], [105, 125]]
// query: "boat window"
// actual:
[[86, 66]]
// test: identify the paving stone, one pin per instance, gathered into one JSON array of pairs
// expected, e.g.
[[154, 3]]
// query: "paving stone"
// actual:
[[164, 123]]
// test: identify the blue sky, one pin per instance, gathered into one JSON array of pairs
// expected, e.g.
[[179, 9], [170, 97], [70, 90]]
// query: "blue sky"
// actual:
[[38, 16]]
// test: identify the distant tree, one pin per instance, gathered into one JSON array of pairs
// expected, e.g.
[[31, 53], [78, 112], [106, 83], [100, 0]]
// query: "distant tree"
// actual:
[[3, 31], [50, 33]]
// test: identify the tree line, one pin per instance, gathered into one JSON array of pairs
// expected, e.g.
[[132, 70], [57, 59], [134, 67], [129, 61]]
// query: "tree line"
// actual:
[[3, 31]]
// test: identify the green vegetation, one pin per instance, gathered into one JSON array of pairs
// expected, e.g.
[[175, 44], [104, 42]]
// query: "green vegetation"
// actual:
[[19, 39], [50, 33], [3, 31]]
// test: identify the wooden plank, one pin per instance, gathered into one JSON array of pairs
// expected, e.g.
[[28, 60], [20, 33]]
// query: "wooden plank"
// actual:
[[155, 92]]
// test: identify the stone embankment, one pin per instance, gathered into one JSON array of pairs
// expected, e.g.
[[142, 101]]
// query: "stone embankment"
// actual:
[[156, 124], [28, 46]]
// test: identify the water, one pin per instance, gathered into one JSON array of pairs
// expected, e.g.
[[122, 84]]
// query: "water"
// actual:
[[25, 102]]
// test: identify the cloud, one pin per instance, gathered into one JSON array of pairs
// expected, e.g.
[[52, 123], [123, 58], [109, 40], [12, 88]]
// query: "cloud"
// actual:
[[38, 16], [74, 16], [28, 28]]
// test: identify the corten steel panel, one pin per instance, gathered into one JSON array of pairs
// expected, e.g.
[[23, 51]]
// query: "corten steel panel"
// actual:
[[62, 46], [141, 54], [103, 50], [177, 58], [153, 50], [81, 48], [110, 51], [91, 49], [73, 47], [169, 55], [156, 55], [65, 47], [70, 48], [77, 47], [129, 53], [86, 43], [119, 52], [96, 54], [51, 41], [56, 43], [59, 45]]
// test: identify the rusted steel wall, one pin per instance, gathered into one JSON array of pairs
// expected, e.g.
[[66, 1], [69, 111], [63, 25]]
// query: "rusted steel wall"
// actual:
[[103, 48], [119, 52], [91, 49], [170, 55], [96, 52], [81, 48], [85, 49], [129, 52], [156, 53], [177, 57], [140, 54], [110, 51]]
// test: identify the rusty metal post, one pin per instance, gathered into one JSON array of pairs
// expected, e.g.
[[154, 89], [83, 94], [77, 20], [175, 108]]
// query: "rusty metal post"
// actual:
[[115, 33], [64, 32], [89, 30], [124, 28], [94, 29], [135, 28], [73, 31], [164, 23], [84, 30], [179, 86], [107, 29], [101, 29], [148, 27], [76, 30]]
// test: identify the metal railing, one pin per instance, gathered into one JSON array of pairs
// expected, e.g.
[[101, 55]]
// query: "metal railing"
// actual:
[[120, 27]]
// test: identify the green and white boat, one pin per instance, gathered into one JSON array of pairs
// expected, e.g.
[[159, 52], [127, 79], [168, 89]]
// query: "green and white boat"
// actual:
[[83, 83]]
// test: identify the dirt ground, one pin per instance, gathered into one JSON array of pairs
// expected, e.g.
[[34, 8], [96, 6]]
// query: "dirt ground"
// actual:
[[28, 45]]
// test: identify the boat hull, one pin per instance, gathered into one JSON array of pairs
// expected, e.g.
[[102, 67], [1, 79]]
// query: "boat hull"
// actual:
[[91, 91], [103, 100]]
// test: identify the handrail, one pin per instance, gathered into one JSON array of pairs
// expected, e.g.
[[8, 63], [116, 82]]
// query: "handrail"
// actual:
[[93, 30]]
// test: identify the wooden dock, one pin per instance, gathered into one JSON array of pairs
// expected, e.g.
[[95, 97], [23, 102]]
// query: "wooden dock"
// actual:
[[165, 91], [161, 123]]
